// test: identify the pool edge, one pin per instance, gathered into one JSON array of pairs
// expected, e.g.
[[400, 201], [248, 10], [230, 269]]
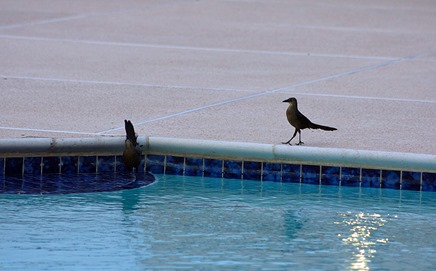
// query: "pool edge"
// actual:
[[220, 150]]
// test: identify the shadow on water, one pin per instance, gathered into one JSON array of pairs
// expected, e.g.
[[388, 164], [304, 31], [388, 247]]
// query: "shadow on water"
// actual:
[[131, 199], [293, 223]]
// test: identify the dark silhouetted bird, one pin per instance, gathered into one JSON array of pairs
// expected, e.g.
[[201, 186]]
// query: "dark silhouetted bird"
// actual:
[[299, 121], [132, 152]]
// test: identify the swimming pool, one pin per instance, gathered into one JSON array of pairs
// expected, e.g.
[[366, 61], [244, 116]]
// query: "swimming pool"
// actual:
[[196, 223]]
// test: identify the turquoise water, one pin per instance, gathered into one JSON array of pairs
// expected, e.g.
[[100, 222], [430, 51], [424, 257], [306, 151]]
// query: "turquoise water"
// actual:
[[204, 223]]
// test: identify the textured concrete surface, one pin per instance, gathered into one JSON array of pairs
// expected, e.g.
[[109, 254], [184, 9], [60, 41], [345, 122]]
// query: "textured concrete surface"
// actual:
[[220, 69]]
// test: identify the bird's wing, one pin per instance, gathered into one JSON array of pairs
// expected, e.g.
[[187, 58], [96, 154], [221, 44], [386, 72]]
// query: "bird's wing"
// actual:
[[304, 121]]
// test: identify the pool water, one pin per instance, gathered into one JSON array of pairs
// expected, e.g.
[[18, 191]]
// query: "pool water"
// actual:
[[197, 223]]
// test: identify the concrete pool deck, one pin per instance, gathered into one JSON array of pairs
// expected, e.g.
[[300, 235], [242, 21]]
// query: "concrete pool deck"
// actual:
[[220, 69]]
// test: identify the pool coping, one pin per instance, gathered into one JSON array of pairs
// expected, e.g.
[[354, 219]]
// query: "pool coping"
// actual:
[[220, 150], [222, 159]]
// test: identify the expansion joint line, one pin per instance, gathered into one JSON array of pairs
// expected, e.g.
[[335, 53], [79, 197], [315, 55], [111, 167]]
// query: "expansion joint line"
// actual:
[[275, 90]]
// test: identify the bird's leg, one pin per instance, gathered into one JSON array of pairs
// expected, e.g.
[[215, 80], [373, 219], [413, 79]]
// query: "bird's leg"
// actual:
[[288, 142], [299, 138]]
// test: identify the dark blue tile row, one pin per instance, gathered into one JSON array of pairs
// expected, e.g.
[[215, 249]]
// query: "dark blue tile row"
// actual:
[[64, 164], [232, 169], [296, 173]]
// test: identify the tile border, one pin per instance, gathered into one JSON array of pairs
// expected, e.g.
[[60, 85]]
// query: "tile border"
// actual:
[[235, 160]]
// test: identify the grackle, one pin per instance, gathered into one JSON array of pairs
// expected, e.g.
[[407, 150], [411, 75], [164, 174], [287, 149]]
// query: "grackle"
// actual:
[[132, 152], [299, 121]]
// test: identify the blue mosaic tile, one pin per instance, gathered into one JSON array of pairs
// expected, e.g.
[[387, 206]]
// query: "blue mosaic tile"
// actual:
[[14, 166], [106, 164], [32, 183], [50, 185], [213, 168], [51, 164], [252, 166], [2, 166], [87, 164], [411, 180], [428, 181], [370, 178], [12, 183], [391, 179], [291, 173], [193, 166], [141, 167], [32, 165], [155, 163], [330, 175], [350, 176], [174, 165], [310, 174], [119, 164], [71, 180], [272, 172], [232, 169], [252, 170], [69, 164]]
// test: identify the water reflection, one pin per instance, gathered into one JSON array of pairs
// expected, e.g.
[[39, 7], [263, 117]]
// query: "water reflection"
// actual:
[[293, 223], [71, 183], [363, 237], [130, 199]]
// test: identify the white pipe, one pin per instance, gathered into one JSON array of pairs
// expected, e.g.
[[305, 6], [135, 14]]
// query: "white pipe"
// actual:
[[56, 146], [293, 154], [220, 150]]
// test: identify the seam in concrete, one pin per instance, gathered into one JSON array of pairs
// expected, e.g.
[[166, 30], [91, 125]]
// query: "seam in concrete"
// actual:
[[113, 83], [364, 97], [281, 89], [45, 131], [188, 111], [46, 21], [196, 48], [61, 19]]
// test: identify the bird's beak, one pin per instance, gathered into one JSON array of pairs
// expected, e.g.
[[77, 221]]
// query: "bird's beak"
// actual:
[[286, 101]]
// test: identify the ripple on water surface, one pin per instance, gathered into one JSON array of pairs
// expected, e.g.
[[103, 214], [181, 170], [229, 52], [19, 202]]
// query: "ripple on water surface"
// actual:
[[205, 223]]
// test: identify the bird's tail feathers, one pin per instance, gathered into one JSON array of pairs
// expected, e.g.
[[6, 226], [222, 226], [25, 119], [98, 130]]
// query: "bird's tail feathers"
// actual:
[[130, 132], [322, 127]]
